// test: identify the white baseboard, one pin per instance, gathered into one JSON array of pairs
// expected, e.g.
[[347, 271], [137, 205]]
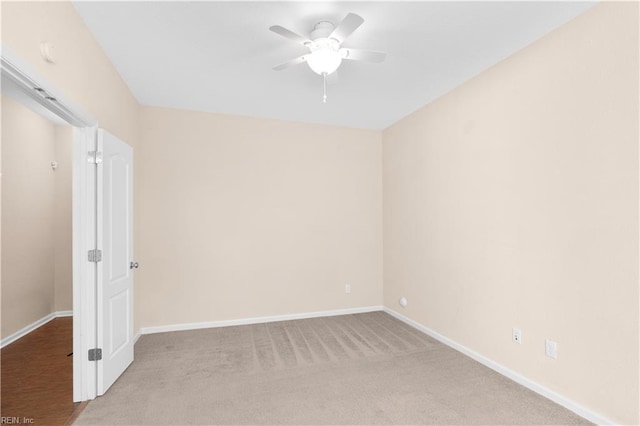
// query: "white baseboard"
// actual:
[[516, 377], [28, 329], [256, 320]]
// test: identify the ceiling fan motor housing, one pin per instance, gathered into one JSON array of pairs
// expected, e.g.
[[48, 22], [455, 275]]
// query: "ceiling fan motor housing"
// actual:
[[322, 30]]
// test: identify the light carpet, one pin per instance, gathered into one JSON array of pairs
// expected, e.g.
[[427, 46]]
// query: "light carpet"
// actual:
[[353, 369]]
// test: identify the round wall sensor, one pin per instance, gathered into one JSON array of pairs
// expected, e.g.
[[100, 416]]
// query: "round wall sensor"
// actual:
[[403, 302], [47, 50]]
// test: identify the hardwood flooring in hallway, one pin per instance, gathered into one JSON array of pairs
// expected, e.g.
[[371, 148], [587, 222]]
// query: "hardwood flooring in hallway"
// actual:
[[37, 376]]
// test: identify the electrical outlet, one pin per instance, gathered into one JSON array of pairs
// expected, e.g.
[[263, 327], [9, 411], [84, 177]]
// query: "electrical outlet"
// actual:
[[347, 288], [516, 334], [551, 349]]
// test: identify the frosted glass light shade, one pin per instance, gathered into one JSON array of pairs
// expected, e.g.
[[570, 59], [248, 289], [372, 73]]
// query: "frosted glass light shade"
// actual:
[[324, 60]]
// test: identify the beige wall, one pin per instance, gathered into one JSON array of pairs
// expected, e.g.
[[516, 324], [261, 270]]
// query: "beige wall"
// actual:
[[512, 201], [82, 72], [28, 185], [249, 217], [37, 274], [62, 233]]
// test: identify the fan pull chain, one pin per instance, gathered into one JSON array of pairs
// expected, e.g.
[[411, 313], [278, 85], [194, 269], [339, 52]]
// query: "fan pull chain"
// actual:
[[324, 86]]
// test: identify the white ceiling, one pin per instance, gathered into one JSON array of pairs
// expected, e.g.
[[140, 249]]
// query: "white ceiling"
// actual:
[[217, 56]]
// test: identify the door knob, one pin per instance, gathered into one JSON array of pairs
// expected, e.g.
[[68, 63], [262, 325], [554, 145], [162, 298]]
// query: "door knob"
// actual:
[[133, 265]]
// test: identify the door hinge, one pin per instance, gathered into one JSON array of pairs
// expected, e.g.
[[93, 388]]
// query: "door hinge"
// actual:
[[95, 354], [95, 255], [94, 157]]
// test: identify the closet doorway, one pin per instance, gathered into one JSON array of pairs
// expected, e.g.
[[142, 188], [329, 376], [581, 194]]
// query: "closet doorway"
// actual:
[[36, 271]]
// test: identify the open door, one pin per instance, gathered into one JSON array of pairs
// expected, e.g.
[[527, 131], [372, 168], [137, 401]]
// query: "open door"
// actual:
[[115, 270]]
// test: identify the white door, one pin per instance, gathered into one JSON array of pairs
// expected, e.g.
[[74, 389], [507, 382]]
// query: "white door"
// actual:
[[115, 273]]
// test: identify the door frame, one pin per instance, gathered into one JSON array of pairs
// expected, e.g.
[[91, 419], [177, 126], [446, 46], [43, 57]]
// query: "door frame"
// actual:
[[84, 214]]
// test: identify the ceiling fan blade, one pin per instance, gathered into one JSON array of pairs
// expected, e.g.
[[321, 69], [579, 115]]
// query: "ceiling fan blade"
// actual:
[[296, 61], [349, 24], [289, 34], [363, 55]]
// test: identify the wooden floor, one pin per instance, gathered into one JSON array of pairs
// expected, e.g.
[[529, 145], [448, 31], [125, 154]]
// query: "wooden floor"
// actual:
[[37, 376]]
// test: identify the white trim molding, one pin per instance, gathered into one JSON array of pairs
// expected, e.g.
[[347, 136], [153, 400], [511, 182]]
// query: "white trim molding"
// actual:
[[256, 320], [26, 79], [33, 326], [499, 368], [84, 273]]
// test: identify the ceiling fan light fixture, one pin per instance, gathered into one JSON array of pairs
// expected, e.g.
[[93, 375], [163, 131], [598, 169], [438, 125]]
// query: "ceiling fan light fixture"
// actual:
[[325, 54]]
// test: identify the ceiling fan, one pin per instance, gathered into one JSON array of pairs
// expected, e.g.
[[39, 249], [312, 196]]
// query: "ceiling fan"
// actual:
[[324, 44]]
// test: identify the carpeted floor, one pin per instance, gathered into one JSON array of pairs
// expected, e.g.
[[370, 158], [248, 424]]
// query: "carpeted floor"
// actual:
[[353, 369]]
